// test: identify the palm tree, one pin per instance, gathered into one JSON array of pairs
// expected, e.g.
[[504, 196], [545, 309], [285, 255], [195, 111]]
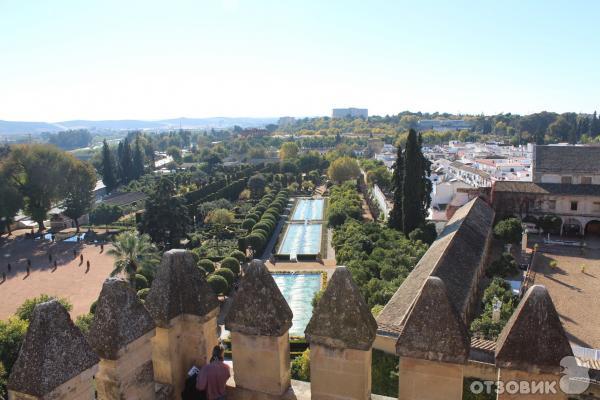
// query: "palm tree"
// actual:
[[133, 254]]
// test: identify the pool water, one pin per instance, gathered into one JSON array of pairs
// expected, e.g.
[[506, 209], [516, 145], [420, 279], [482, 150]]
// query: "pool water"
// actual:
[[308, 209], [299, 290], [301, 239], [74, 238]]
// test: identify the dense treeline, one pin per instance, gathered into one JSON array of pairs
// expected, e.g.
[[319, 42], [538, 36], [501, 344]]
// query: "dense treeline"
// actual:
[[72, 139], [37, 177], [378, 257], [540, 128]]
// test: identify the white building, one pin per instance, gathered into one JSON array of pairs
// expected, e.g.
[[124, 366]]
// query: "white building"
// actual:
[[350, 112]]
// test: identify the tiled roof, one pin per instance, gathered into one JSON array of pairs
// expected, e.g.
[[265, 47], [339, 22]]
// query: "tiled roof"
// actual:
[[546, 188], [121, 199], [566, 159], [454, 258], [472, 170]]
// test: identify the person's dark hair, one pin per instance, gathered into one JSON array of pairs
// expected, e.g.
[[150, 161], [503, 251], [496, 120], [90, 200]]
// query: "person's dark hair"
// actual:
[[217, 353]]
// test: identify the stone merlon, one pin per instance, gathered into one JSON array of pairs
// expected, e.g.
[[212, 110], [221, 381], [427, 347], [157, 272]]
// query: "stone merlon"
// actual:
[[179, 287], [533, 339], [258, 307], [432, 329], [342, 319], [120, 319], [54, 351]]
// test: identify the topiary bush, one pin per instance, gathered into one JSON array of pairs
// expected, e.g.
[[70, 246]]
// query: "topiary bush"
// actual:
[[238, 255], [227, 274], [248, 223], [218, 284], [140, 282], [142, 293], [231, 264], [207, 265]]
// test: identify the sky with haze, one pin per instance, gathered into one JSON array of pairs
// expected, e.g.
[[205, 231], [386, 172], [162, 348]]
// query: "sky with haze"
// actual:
[[130, 59]]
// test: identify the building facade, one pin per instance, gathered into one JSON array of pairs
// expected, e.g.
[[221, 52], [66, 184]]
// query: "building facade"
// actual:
[[566, 184], [350, 113]]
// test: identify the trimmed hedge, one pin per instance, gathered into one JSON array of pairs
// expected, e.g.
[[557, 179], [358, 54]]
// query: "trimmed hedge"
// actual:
[[218, 284], [231, 264], [207, 265], [227, 274], [238, 255]]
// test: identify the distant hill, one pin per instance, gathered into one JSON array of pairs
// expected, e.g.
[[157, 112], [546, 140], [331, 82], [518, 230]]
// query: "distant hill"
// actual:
[[22, 127]]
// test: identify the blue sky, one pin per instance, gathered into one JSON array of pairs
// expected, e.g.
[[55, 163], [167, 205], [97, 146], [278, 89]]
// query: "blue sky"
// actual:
[[160, 59]]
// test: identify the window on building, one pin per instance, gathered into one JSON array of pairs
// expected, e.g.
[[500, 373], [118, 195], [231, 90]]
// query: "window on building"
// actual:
[[552, 204], [566, 179], [586, 180], [573, 206]]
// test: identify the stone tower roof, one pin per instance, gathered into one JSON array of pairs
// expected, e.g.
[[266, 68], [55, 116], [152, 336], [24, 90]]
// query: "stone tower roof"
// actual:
[[120, 319], [432, 329], [179, 287], [455, 257], [342, 319], [53, 352], [258, 307], [533, 339]]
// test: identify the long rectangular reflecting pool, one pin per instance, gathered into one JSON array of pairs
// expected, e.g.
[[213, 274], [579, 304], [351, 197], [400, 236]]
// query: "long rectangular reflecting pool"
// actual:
[[301, 238], [308, 210], [299, 290]]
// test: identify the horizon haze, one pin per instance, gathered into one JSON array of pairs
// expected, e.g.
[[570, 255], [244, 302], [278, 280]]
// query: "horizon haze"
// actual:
[[111, 60]]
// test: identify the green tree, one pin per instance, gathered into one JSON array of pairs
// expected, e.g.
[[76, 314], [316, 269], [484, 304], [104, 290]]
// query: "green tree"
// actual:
[[80, 191], [126, 163], [108, 168], [166, 217], [257, 184], [12, 333], [288, 150], [133, 254], [11, 201], [39, 172], [395, 217], [175, 152], [218, 284], [138, 160], [25, 310], [105, 214], [343, 169], [220, 219], [508, 230], [413, 214], [300, 369]]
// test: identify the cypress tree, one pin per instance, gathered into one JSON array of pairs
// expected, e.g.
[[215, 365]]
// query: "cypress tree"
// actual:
[[138, 160], [426, 186], [395, 217], [108, 168], [412, 207], [595, 125], [126, 162]]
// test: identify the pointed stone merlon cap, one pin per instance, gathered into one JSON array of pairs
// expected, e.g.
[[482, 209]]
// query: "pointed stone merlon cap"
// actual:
[[431, 329], [342, 318], [533, 339], [120, 319], [179, 288], [53, 352], [258, 307]]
